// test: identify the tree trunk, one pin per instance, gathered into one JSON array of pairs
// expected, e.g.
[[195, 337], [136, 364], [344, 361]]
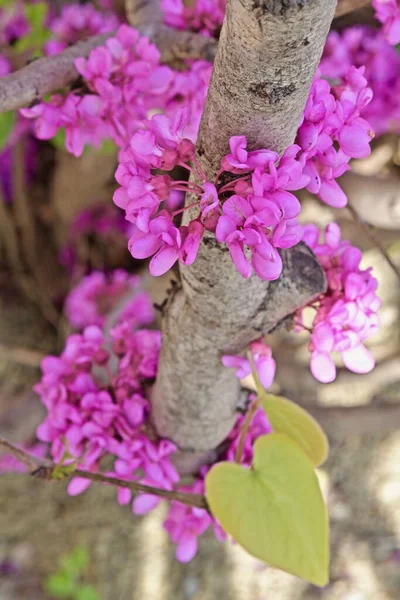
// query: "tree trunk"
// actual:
[[267, 56]]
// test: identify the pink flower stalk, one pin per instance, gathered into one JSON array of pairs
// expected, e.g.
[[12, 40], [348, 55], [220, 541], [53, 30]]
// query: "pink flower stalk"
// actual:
[[388, 13], [78, 22], [97, 294], [347, 314]]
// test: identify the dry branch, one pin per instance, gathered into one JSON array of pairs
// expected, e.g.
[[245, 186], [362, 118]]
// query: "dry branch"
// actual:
[[49, 74], [44, 469]]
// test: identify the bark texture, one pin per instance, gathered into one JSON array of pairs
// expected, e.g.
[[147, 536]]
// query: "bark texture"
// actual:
[[267, 56]]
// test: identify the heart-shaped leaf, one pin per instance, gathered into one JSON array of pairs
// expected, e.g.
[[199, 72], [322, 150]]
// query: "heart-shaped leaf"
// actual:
[[275, 510], [289, 418]]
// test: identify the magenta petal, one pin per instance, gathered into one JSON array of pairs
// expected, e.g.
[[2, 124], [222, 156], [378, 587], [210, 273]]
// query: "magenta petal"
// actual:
[[187, 548], [355, 141], [266, 367], [123, 496], [358, 359], [77, 485], [322, 338], [265, 268], [322, 367], [144, 503], [163, 260], [239, 259], [143, 245], [332, 194]]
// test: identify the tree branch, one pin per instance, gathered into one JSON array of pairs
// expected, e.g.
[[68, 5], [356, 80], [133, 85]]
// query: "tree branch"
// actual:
[[44, 469], [51, 73], [267, 56], [44, 75]]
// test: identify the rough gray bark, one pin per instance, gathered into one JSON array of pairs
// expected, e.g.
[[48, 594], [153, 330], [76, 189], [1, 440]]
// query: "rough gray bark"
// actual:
[[267, 56]]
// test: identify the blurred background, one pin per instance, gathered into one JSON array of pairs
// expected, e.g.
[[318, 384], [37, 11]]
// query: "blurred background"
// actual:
[[52, 214]]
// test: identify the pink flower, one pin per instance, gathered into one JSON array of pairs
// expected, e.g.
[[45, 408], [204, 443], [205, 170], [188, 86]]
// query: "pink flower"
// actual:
[[264, 363], [94, 297], [388, 13], [347, 313]]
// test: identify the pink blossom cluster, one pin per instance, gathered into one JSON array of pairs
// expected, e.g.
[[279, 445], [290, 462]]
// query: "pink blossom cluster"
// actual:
[[97, 408], [124, 79], [97, 294], [77, 22], [260, 214], [264, 363], [347, 314], [366, 46], [254, 213], [102, 222], [388, 13], [94, 411], [332, 132], [203, 16]]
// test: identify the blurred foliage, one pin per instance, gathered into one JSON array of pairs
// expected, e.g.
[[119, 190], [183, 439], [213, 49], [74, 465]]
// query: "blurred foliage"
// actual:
[[7, 120], [38, 35], [68, 581]]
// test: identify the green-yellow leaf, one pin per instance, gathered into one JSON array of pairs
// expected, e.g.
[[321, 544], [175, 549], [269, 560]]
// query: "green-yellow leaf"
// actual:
[[289, 418], [7, 120], [275, 510]]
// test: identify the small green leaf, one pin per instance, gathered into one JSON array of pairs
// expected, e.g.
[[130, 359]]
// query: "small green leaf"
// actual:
[[60, 585], [86, 592], [289, 418], [7, 120], [62, 470], [275, 510], [76, 562]]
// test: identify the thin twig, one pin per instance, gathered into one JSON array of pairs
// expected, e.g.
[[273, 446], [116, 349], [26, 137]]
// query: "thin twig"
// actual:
[[245, 427], [372, 237], [44, 469], [27, 459]]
